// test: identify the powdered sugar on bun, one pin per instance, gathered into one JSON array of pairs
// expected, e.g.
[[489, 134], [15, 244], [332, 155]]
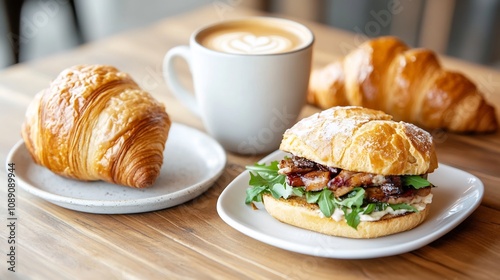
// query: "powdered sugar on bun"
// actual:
[[363, 140]]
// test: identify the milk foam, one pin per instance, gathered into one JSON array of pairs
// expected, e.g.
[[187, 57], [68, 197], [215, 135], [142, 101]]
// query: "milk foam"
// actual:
[[248, 43]]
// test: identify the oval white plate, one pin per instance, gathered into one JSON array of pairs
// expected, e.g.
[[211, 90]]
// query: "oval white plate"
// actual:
[[192, 163], [458, 194]]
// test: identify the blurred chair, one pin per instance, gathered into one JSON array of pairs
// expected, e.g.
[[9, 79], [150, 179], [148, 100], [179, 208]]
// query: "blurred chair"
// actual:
[[475, 31], [467, 29], [14, 12]]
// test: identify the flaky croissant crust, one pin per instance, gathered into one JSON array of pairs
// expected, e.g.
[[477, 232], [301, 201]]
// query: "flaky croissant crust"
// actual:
[[94, 123], [409, 84]]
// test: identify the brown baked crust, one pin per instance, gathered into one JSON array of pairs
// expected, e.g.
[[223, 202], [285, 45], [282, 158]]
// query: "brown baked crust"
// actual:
[[409, 84], [94, 123], [297, 212], [362, 140]]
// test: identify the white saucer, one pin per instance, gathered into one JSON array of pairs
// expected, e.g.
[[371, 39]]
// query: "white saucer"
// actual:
[[192, 163], [456, 196]]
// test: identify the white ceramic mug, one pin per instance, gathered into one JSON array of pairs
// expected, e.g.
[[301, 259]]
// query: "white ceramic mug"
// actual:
[[248, 94]]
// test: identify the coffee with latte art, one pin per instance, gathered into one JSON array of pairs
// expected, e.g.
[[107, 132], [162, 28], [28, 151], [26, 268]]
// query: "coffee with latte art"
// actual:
[[254, 37], [239, 65]]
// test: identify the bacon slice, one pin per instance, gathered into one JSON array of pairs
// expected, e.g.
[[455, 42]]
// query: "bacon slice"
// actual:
[[301, 172], [316, 180], [288, 166], [376, 194]]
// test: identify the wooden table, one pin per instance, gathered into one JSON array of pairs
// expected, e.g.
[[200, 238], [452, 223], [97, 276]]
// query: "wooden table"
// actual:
[[190, 240]]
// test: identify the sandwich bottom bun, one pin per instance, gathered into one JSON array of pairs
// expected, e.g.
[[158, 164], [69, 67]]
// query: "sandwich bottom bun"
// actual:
[[297, 212]]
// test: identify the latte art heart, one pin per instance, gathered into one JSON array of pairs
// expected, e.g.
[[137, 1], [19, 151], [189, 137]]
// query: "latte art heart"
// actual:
[[247, 43]]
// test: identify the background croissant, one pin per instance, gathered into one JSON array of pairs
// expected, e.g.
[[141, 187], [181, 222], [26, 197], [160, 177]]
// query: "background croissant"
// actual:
[[95, 123], [409, 84]]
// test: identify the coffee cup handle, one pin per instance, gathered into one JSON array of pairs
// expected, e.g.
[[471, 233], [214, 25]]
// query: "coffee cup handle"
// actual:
[[185, 96]]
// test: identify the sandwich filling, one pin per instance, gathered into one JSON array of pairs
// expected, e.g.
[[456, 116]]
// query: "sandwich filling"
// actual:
[[340, 194], [301, 172]]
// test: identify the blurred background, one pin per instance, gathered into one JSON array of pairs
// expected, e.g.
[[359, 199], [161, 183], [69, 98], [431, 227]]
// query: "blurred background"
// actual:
[[467, 29]]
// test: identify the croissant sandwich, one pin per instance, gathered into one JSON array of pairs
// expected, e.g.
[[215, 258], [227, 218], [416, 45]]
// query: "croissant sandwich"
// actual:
[[352, 172], [94, 123], [409, 84]]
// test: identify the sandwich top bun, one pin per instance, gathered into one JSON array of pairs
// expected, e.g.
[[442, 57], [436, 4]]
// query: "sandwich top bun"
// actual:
[[362, 140]]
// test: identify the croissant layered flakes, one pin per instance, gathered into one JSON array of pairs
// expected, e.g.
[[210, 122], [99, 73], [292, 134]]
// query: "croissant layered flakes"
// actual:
[[409, 84], [94, 123]]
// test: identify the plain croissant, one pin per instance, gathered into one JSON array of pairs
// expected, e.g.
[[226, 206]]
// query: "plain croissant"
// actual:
[[408, 84], [94, 123]]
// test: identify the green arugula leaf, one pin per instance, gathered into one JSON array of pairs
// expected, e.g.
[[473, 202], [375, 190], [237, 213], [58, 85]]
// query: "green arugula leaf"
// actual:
[[415, 181], [381, 206], [299, 191], [405, 206], [352, 218], [312, 197], [254, 194], [353, 202], [369, 208], [354, 198], [325, 202], [266, 179], [257, 180], [281, 190], [374, 207]]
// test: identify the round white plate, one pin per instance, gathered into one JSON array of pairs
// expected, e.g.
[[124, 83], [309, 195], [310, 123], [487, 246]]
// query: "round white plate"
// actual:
[[192, 163], [456, 196]]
